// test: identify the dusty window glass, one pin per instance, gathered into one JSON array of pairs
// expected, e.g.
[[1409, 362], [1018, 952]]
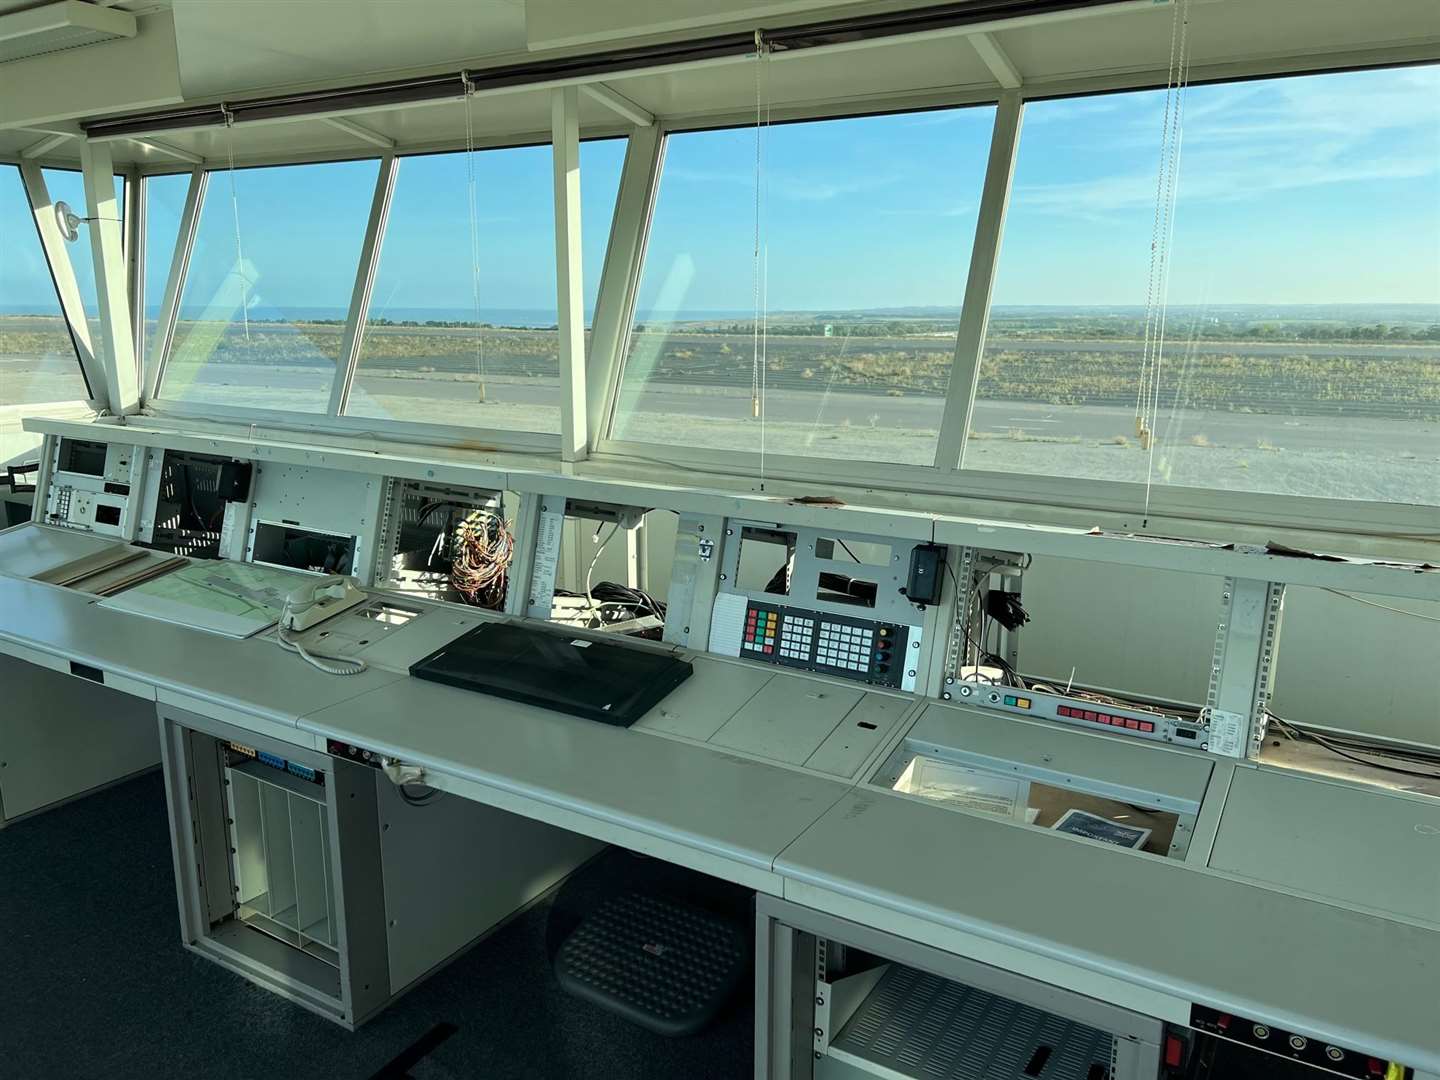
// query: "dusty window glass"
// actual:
[[428, 355], [164, 205], [263, 309], [38, 362], [866, 231], [1301, 341]]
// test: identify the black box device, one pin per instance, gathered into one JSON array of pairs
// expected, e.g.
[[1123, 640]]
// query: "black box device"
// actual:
[[613, 683]]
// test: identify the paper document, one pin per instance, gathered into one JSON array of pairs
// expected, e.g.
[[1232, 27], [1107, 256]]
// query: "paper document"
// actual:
[[969, 789], [1080, 823], [235, 599]]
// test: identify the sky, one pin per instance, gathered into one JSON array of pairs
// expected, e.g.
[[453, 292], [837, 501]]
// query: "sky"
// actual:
[[1317, 189], [25, 281]]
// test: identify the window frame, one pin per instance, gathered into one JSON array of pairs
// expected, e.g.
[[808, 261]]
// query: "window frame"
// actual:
[[61, 268], [1124, 502], [334, 419], [1003, 137], [1387, 526]]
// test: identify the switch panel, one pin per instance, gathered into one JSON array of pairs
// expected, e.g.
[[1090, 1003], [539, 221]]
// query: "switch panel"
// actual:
[[879, 653]]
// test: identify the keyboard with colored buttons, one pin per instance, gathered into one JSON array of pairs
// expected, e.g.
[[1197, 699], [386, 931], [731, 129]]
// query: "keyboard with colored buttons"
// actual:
[[832, 644]]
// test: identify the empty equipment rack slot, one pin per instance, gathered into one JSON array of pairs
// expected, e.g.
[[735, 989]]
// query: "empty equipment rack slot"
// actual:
[[280, 861], [914, 1024]]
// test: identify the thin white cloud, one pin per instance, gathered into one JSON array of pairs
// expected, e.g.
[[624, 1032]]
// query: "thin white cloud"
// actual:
[[788, 185], [1245, 140]]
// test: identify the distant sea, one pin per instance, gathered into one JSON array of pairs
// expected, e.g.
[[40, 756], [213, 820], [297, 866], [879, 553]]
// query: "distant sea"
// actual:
[[542, 317]]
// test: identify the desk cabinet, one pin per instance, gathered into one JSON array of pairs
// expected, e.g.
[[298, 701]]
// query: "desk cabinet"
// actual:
[[313, 876], [838, 1001]]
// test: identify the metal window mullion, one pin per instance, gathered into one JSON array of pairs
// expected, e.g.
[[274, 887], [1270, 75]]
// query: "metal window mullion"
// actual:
[[121, 385], [620, 277], [569, 273], [979, 283], [136, 210], [154, 364], [62, 273], [360, 296]]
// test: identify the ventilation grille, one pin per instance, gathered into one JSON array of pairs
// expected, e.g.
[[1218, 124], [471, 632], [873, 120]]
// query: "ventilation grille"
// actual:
[[923, 1026], [56, 27]]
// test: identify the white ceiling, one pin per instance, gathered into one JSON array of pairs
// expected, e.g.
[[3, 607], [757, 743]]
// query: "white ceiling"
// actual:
[[244, 45], [225, 45]]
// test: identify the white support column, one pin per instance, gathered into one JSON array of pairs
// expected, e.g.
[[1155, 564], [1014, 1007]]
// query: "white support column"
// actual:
[[975, 308], [1000, 65], [135, 216], [618, 103], [179, 262], [122, 388], [364, 285], [57, 254], [570, 286], [620, 275]]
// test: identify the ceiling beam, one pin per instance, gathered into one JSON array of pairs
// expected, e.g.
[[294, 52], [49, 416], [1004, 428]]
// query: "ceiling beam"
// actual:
[[169, 151], [618, 102], [361, 132], [1000, 65], [45, 145]]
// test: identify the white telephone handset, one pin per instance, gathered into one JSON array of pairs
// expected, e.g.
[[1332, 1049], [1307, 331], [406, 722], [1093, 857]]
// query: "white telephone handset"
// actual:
[[310, 604]]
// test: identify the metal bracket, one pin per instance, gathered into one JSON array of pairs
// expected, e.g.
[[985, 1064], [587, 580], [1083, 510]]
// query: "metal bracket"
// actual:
[[1242, 668]]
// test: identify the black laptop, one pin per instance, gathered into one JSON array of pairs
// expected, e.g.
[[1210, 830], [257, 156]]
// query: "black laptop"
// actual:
[[599, 680]]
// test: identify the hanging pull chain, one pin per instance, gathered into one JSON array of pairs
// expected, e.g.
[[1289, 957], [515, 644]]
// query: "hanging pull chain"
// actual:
[[760, 332], [755, 249], [1166, 188], [235, 213], [474, 231]]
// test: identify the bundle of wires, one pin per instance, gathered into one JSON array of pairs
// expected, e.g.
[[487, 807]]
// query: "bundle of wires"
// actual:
[[1362, 753], [484, 547], [638, 600]]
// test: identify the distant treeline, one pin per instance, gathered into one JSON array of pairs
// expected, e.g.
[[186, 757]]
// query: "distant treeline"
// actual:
[[1077, 326], [869, 328], [1212, 330]]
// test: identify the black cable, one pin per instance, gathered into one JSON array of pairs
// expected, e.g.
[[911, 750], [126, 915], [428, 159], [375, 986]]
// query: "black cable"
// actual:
[[847, 549], [430, 796], [1297, 732]]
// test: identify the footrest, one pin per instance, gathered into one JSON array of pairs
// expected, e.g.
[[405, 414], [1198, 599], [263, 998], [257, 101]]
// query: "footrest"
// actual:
[[663, 965]]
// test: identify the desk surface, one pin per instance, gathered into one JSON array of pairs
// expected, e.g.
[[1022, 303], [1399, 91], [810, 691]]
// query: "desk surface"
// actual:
[[730, 806], [1333, 840], [30, 549], [1151, 923], [253, 675], [1300, 964]]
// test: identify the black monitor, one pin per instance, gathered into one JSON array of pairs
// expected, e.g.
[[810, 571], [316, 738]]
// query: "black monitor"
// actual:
[[599, 680]]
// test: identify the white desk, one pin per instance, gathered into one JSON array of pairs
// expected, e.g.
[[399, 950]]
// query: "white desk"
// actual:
[[247, 682], [725, 815], [1143, 932], [1146, 933]]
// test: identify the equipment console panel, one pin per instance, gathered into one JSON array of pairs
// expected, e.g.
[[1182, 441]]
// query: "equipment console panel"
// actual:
[[860, 649]]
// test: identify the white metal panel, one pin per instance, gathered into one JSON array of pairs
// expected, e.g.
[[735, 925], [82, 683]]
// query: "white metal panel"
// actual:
[[1042, 904], [735, 812], [1179, 775], [788, 719], [1366, 847], [435, 908], [61, 736], [33, 548], [702, 704], [856, 740]]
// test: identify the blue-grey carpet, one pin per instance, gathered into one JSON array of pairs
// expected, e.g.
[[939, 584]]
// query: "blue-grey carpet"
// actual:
[[94, 982]]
